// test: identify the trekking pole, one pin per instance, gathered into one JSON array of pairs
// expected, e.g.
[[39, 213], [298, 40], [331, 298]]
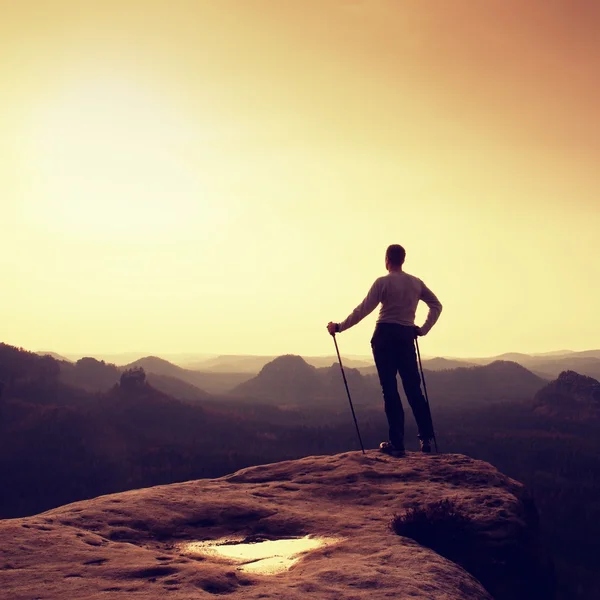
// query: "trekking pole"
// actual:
[[426, 396], [348, 392]]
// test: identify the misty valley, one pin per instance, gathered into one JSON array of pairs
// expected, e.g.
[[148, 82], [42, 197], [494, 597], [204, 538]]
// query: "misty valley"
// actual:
[[75, 430]]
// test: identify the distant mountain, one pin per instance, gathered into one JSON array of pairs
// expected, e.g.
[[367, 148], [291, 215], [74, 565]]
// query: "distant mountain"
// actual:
[[232, 363], [176, 388], [554, 353], [56, 449], [500, 381], [124, 358], [443, 364], [54, 355], [220, 383], [216, 383], [97, 376], [252, 364], [523, 358], [287, 379], [59, 443], [582, 363], [290, 380], [431, 364], [160, 366], [327, 361], [587, 353], [118, 359], [89, 374], [182, 359], [571, 397], [518, 357], [550, 364]]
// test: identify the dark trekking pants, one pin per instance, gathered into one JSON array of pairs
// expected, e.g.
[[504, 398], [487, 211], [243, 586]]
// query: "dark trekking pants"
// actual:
[[394, 352]]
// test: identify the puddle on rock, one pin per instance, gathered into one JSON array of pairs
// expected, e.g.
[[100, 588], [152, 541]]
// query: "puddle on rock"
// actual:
[[266, 557]]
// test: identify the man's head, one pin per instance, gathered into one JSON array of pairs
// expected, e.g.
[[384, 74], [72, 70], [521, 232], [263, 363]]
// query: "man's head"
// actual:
[[394, 257]]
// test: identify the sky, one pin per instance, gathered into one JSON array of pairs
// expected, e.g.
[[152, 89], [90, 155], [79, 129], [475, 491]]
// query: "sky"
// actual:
[[224, 176]]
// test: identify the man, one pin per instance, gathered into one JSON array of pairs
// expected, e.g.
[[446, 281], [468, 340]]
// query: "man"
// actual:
[[393, 345]]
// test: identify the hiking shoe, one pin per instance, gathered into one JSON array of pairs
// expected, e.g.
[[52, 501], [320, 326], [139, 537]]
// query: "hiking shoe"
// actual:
[[425, 445], [390, 449]]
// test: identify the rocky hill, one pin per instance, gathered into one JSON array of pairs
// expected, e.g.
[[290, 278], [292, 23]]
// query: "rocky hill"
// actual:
[[443, 364], [285, 380], [499, 381], [571, 396], [551, 364], [141, 543], [252, 364], [290, 380]]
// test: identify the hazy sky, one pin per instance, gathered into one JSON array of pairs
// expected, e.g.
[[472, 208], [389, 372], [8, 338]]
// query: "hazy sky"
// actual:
[[224, 176]]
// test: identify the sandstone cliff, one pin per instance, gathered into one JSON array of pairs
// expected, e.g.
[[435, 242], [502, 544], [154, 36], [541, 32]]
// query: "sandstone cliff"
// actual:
[[133, 544]]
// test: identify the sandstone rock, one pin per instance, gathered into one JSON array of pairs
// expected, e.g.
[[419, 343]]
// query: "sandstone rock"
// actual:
[[129, 543]]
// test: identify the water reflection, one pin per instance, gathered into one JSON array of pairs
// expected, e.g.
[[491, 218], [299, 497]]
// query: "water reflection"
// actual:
[[266, 557]]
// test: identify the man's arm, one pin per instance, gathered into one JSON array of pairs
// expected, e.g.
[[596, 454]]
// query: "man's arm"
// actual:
[[435, 308], [366, 307]]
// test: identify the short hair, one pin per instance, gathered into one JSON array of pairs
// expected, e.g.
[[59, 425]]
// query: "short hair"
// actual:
[[395, 255]]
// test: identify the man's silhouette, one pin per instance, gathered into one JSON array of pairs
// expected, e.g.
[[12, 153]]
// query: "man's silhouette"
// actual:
[[393, 345]]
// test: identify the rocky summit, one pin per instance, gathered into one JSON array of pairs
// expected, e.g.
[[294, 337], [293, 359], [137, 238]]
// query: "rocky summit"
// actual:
[[140, 544], [571, 397]]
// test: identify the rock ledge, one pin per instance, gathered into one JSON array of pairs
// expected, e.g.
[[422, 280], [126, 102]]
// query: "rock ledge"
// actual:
[[122, 544]]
